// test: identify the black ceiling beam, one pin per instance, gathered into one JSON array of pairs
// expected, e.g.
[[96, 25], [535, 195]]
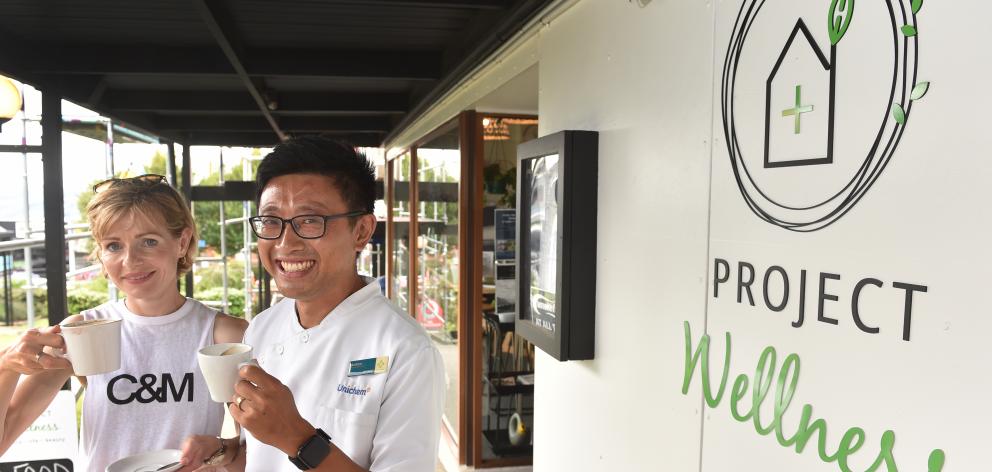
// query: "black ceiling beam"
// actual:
[[94, 59], [96, 93], [221, 27], [229, 139], [230, 190], [269, 62], [257, 124], [228, 102], [15, 60], [136, 100], [382, 102], [458, 4], [354, 63], [78, 89]]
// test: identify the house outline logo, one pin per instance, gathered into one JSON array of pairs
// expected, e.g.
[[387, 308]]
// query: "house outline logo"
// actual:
[[903, 91], [827, 65]]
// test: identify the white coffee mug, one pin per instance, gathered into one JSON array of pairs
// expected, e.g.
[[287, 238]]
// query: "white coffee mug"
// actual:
[[219, 365], [93, 346]]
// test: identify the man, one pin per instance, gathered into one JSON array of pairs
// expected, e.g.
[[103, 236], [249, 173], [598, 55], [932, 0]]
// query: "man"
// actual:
[[345, 381]]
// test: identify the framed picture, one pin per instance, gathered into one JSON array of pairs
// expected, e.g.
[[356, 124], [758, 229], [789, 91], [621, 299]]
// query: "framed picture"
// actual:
[[556, 243]]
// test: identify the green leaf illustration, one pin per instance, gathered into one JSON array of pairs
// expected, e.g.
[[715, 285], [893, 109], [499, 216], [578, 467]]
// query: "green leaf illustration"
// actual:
[[909, 30], [917, 4], [919, 90], [839, 19], [936, 461], [898, 113]]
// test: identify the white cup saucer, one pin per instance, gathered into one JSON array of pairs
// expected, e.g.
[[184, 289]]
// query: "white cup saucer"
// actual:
[[147, 462]]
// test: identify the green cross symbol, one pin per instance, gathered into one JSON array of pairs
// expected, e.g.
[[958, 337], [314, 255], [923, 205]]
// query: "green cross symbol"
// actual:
[[799, 109]]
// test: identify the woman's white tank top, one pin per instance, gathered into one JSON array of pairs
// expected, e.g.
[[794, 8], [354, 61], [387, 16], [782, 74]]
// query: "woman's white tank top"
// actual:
[[158, 397]]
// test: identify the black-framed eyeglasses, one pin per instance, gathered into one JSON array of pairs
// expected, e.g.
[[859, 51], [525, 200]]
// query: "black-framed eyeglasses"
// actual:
[[305, 226], [141, 179]]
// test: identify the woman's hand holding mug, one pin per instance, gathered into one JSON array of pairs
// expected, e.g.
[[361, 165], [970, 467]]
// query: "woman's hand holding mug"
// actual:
[[33, 352]]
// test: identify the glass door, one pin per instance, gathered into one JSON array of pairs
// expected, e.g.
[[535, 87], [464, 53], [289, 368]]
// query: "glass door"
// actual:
[[399, 231], [507, 364], [438, 170]]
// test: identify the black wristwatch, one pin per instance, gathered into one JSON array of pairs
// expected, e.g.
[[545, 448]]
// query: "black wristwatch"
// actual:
[[313, 451]]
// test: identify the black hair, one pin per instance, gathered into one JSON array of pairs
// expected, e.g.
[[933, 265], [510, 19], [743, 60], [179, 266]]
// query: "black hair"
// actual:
[[350, 171]]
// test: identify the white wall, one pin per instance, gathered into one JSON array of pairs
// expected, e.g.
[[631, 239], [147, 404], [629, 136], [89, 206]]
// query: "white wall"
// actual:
[[632, 75], [649, 80]]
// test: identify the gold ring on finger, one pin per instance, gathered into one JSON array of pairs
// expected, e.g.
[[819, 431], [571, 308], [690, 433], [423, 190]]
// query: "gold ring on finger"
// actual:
[[238, 402]]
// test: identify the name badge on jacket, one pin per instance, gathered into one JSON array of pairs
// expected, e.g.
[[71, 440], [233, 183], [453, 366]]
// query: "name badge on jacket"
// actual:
[[373, 365]]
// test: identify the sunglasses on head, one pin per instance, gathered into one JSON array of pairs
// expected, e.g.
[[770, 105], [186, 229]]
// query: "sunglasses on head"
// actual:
[[149, 179]]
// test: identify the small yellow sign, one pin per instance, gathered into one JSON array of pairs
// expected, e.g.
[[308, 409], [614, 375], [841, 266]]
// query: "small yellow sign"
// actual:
[[381, 364]]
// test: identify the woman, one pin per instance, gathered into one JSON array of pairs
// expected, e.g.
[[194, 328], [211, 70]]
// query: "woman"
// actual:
[[145, 240]]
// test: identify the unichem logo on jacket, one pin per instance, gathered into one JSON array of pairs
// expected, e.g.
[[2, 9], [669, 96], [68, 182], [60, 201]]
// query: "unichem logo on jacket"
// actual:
[[352, 390]]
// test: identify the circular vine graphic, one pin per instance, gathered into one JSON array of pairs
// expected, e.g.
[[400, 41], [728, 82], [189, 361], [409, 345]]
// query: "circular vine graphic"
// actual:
[[903, 91]]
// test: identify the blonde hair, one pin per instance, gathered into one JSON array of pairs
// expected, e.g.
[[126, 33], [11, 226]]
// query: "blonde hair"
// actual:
[[126, 197]]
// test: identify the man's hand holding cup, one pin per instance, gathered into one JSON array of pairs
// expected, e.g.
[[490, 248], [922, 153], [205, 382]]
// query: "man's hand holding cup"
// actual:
[[267, 409]]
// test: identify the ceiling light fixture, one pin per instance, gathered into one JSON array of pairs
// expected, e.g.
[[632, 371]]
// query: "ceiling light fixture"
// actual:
[[10, 100], [495, 129]]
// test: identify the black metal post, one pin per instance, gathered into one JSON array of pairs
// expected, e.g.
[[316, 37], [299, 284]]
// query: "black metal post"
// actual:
[[267, 288], [170, 171], [188, 194], [170, 165], [51, 157], [260, 297]]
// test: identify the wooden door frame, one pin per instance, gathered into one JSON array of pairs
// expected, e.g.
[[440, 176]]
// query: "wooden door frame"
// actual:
[[388, 197], [413, 232], [463, 440], [391, 169], [470, 285]]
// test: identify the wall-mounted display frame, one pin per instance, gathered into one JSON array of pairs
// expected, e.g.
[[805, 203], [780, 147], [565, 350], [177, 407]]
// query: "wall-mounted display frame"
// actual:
[[556, 243]]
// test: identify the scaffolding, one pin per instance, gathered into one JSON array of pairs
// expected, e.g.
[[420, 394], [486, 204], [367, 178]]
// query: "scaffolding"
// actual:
[[246, 172]]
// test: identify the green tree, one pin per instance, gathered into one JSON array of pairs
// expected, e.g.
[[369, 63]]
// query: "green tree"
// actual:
[[84, 198], [157, 164]]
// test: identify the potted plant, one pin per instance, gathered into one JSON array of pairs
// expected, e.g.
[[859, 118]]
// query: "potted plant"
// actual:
[[502, 183]]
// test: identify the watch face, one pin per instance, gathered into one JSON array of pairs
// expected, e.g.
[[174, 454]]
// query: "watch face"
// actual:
[[313, 452]]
